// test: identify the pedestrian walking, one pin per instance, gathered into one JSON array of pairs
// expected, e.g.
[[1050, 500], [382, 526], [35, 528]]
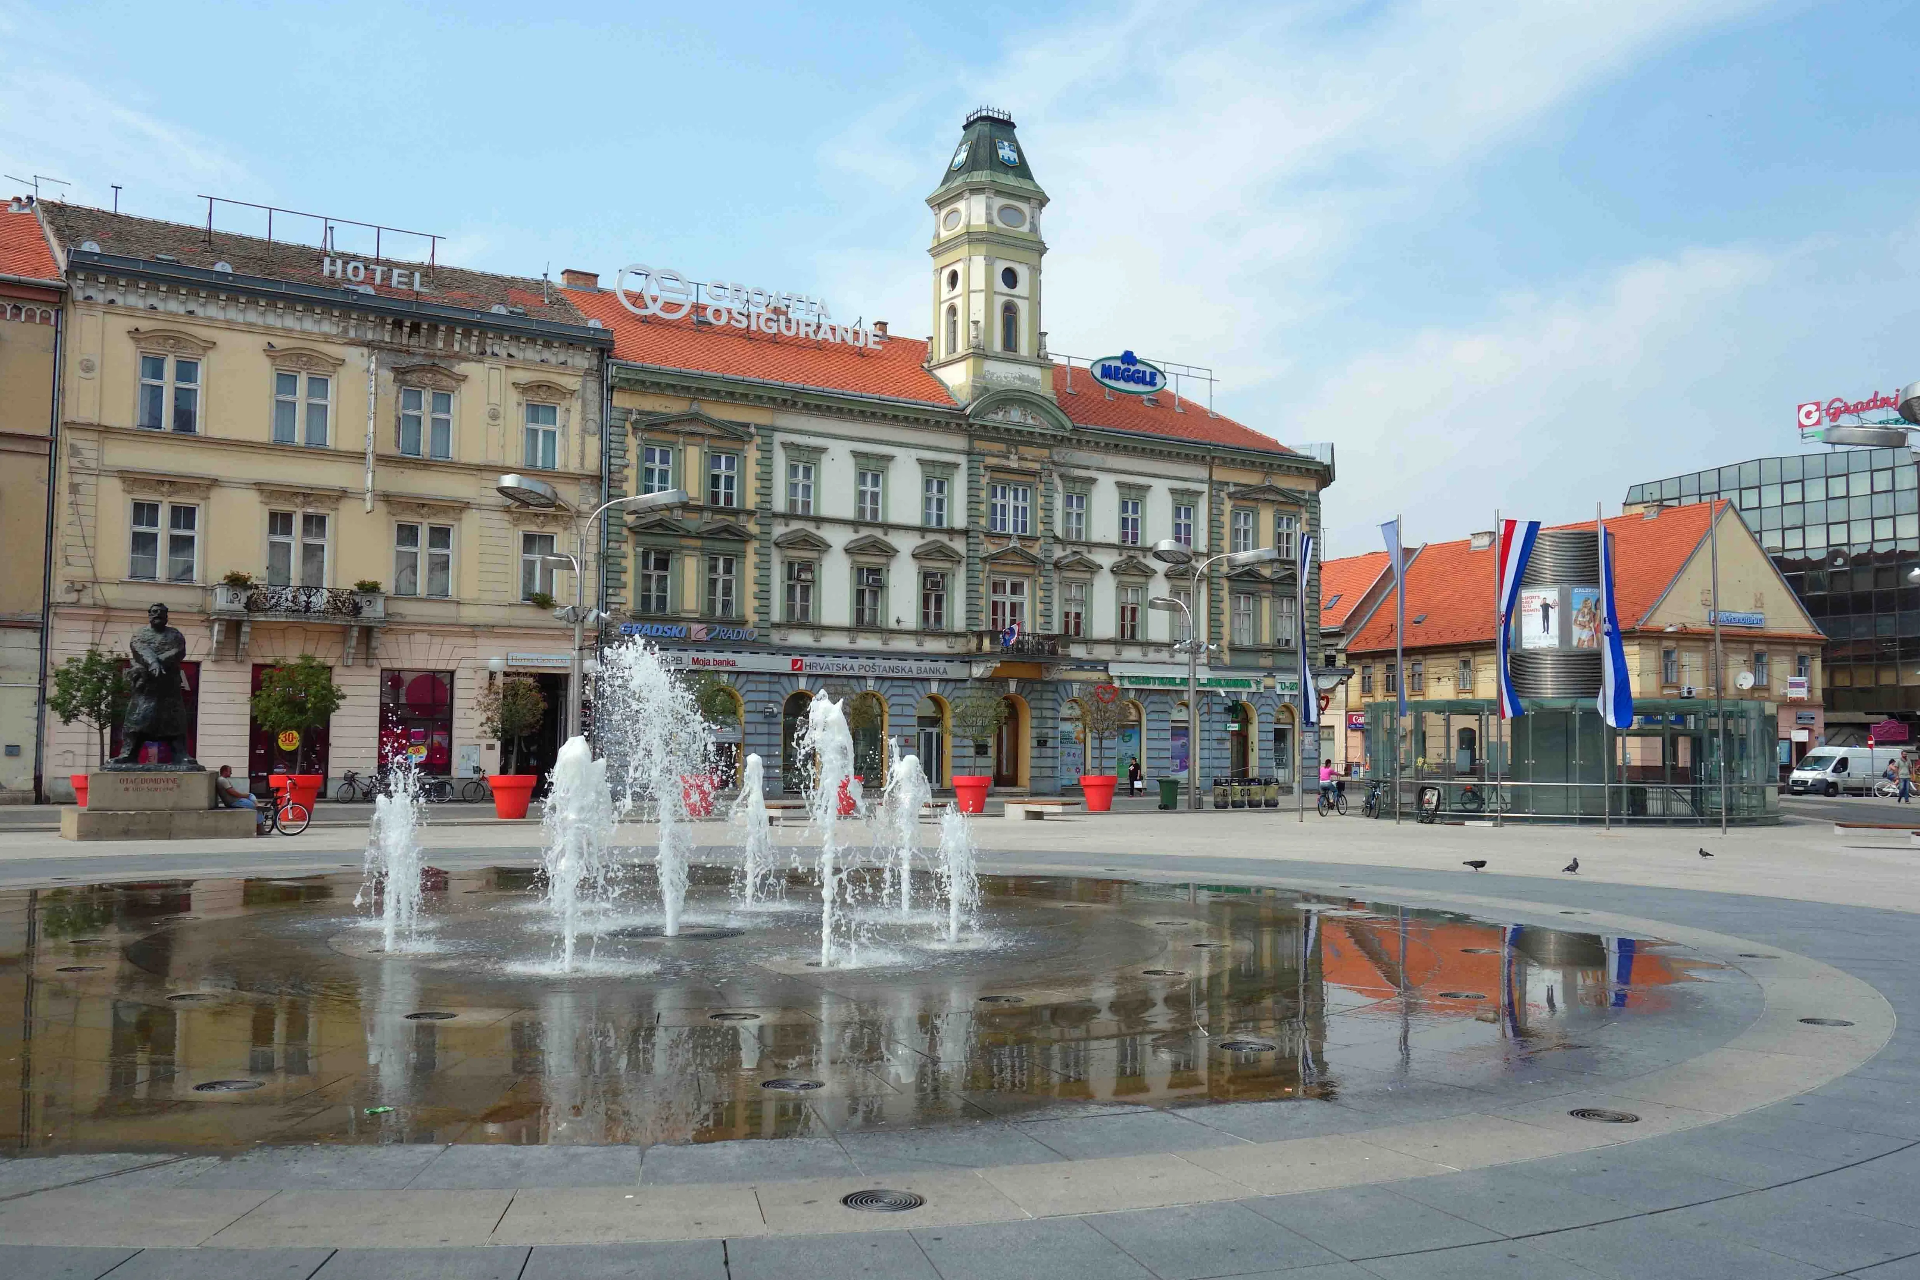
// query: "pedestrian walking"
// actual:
[[1906, 779]]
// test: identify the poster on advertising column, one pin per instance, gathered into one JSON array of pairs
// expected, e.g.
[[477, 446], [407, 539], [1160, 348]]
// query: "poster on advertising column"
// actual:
[[1587, 617], [1539, 615]]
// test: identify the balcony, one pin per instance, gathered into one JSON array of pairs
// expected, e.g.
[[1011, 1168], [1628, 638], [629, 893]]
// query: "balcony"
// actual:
[[1025, 646], [244, 605]]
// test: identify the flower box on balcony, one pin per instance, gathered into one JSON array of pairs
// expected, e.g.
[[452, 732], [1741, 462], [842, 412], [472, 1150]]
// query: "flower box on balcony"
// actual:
[[373, 605], [230, 599]]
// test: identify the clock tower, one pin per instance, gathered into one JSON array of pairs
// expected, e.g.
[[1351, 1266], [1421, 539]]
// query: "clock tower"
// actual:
[[986, 252]]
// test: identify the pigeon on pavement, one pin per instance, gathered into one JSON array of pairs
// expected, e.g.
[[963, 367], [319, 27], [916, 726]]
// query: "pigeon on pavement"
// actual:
[[1705, 854], [1572, 868], [1475, 863]]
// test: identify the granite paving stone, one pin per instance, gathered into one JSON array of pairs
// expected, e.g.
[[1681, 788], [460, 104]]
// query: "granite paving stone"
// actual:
[[387, 1168], [672, 1163], [1499, 1260], [478, 1263], [466, 1166], [1508, 1201], [52, 1262], [223, 1264], [1057, 1248], [1641, 1249], [1193, 1241], [887, 1255], [1097, 1137], [1792, 1222], [1361, 1222], [669, 1260]]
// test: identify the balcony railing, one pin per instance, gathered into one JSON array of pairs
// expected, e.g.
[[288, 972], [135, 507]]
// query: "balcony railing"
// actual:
[[335, 604], [1023, 646]]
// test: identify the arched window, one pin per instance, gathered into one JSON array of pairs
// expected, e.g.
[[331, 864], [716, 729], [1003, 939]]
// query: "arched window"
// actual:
[[953, 330], [1010, 327]]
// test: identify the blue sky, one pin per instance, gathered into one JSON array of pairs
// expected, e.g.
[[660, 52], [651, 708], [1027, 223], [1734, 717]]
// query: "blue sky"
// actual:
[[1514, 255]]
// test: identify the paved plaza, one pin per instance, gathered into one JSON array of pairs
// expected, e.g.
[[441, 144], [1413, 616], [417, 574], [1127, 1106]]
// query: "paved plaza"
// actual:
[[1764, 1145]]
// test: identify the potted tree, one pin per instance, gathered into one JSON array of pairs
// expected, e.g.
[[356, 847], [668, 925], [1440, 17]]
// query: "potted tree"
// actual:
[[509, 710], [1101, 717], [292, 701], [977, 714], [92, 688], [719, 706]]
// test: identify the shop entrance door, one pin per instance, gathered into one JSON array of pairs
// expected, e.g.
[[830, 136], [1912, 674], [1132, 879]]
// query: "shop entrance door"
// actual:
[[1006, 751]]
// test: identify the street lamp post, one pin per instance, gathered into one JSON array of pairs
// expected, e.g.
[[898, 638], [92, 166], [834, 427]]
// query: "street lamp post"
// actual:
[[1174, 554], [530, 491]]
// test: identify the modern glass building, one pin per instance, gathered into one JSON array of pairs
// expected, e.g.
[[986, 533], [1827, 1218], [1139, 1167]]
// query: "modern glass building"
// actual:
[[1844, 529]]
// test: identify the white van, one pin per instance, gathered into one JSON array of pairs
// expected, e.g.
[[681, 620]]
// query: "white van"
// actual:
[[1828, 771]]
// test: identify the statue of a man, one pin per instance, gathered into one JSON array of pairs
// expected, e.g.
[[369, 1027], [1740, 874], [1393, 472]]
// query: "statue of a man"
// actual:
[[157, 712]]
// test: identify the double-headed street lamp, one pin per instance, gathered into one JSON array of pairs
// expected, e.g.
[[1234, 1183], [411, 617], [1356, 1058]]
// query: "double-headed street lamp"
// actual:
[[537, 494], [1175, 554]]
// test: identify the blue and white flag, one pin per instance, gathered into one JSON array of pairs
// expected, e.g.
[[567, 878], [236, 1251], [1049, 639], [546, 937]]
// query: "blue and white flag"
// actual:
[[1390, 531], [1309, 695], [1616, 691], [1512, 549]]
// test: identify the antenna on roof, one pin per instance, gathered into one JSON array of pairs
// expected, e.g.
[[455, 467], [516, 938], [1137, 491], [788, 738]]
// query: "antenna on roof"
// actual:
[[116, 197], [546, 286], [35, 182]]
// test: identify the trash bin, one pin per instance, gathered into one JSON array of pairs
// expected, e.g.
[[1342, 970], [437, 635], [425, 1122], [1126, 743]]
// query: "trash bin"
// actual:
[[1272, 788], [1237, 793], [1169, 793], [1219, 792]]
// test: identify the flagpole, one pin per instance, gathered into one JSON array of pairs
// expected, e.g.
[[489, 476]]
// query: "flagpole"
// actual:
[[1493, 772], [1606, 748], [1719, 658], [1399, 650]]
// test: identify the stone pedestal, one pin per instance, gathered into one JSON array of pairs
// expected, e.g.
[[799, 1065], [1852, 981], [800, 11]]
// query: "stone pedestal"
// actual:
[[125, 804]]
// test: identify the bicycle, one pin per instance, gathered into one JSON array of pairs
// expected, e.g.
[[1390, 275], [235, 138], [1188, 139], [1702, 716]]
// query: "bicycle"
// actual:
[[1469, 800], [289, 819], [355, 786], [1334, 803], [1887, 790], [475, 791]]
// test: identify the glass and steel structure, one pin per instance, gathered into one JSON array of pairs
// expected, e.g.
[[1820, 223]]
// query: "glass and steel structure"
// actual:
[[1844, 529]]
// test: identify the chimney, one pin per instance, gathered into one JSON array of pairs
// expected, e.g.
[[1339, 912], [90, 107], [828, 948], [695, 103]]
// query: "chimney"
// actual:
[[1480, 541], [574, 279], [880, 327]]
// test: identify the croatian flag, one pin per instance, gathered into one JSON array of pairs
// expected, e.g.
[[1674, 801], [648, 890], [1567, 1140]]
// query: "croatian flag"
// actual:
[[1511, 553], [1309, 696], [1616, 691], [1390, 534]]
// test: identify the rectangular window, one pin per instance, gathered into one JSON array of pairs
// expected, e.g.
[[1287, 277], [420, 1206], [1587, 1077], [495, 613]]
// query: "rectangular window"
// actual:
[[800, 587], [536, 573], [1762, 669], [800, 488], [1183, 523], [1669, 666], [723, 587], [1803, 666], [1009, 509], [280, 543], [408, 579], [426, 423], [1416, 676], [313, 549], [1129, 522], [1007, 603], [656, 578], [867, 497], [143, 559], [1366, 679], [1073, 613], [933, 602], [1073, 517], [1286, 532], [165, 382], [723, 480], [1393, 678], [1130, 600], [1463, 682], [933, 502], [1242, 532], [656, 468], [543, 436], [1183, 624], [288, 404], [1245, 626], [869, 589]]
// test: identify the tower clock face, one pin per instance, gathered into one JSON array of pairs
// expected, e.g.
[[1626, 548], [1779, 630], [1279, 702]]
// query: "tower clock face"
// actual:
[[959, 156]]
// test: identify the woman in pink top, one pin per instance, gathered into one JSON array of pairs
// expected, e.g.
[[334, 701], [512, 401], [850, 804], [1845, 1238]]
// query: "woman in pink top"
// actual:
[[1326, 778]]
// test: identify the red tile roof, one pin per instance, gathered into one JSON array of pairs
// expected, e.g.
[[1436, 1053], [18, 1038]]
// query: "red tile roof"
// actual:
[[896, 371], [1344, 583], [1452, 585], [1162, 414], [23, 248]]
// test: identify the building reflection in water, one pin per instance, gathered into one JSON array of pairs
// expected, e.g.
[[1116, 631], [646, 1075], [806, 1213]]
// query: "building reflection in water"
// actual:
[[1108, 992]]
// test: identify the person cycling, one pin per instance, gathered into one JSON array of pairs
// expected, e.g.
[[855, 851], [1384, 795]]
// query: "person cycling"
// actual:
[[1327, 787]]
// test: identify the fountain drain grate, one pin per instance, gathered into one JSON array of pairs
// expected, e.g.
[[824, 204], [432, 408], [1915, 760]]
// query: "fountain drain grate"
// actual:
[[189, 996], [1165, 973], [227, 1086], [1479, 951], [733, 1017], [433, 1015], [1003, 1000], [1758, 955], [1463, 995], [1211, 946], [1247, 1046], [883, 1201], [792, 1084], [688, 933], [78, 968], [1604, 1116], [1826, 1022]]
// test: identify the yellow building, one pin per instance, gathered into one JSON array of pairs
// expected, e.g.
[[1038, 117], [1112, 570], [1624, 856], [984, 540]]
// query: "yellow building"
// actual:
[[296, 450], [30, 314]]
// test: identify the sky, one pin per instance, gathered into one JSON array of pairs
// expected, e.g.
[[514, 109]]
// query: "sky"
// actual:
[[1512, 256]]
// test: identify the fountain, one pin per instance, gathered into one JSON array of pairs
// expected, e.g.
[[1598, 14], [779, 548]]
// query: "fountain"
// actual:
[[658, 742], [748, 818], [959, 882], [897, 838], [830, 743], [578, 825], [393, 859]]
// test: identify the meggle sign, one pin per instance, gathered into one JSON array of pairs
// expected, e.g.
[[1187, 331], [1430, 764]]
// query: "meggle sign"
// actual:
[[663, 292], [1129, 373]]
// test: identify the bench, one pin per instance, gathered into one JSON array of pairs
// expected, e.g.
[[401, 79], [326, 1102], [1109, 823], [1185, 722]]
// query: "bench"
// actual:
[[1846, 828], [780, 811], [1032, 810]]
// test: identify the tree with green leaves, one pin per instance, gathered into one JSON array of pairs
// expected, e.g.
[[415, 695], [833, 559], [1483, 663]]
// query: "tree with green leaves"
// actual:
[[300, 696], [716, 700], [1102, 721], [93, 689], [510, 709], [977, 713]]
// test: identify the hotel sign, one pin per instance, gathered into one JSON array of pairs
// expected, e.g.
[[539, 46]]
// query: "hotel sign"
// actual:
[[1127, 372], [355, 272], [667, 294]]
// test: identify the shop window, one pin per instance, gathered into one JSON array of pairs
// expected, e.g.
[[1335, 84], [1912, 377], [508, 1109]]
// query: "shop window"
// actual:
[[416, 720], [169, 394]]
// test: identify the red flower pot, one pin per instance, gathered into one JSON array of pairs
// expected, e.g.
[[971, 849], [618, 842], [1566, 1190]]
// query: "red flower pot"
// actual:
[[1098, 788], [79, 781], [696, 792], [970, 792], [306, 787], [512, 792]]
